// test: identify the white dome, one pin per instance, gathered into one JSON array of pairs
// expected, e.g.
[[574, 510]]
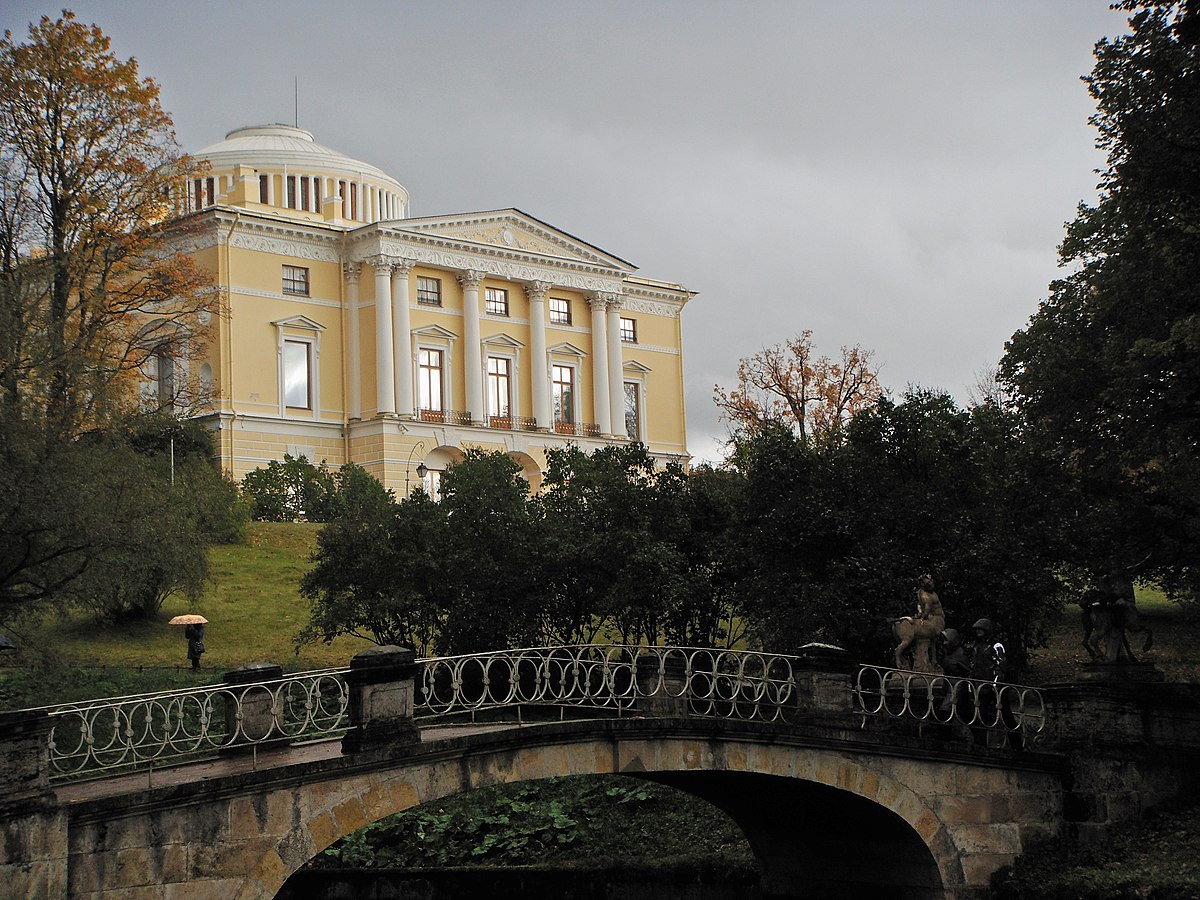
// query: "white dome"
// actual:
[[276, 147]]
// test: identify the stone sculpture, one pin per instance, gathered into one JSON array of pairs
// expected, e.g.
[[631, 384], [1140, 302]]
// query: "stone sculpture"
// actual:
[[921, 631]]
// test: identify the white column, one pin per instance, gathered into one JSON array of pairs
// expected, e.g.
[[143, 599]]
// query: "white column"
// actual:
[[385, 364], [616, 370], [540, 379], [353, 361], [470, 281], [601, 408], [402, 337]]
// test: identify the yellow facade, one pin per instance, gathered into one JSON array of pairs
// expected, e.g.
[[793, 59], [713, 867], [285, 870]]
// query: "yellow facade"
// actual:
[[358, 333]]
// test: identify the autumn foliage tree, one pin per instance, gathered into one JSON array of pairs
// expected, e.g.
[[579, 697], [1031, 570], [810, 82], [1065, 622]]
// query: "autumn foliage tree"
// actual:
[[91, 284], [812, 395], [95, 281]]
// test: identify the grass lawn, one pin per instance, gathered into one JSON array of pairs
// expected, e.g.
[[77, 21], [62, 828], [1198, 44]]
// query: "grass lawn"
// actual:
[[252, 604]]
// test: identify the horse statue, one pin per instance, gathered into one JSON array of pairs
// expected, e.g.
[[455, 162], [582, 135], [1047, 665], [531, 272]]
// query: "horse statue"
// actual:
[[920, 632], [1110, 614]]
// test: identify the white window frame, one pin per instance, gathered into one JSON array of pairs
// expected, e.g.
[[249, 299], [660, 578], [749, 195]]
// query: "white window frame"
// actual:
[[433, 337], [635, 373], [569, 320], [487, 292], [299, 329]]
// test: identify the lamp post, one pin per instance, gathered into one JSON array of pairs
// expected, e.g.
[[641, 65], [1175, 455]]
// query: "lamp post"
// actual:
[[422, 469]]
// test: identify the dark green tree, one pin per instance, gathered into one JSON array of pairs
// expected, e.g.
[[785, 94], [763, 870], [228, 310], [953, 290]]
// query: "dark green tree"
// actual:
[[379, 570], [491, 582], [1107, 372], [287, 490], [836, 537]]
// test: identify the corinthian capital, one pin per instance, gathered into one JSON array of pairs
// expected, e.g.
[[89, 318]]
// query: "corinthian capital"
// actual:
[[536, 290], [402, 266], [469, 278], [600, 300], [381, 263], [616, 301], [351, 270]]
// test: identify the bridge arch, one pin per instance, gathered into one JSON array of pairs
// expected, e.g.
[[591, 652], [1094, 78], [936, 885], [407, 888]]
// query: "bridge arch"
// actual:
[[786, 799]]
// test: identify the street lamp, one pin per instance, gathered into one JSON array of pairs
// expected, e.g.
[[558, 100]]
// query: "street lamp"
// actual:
[[422, 469]]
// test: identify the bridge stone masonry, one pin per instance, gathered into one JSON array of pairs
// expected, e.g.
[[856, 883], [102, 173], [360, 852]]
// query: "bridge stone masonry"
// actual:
[[846, 780]]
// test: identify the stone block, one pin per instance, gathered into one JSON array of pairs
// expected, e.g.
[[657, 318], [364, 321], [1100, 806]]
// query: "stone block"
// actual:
[[1002, 838], [978, 868], [134, 867], [349, 815], [403, 794], [376, 803], [323, 831], [965, 810]]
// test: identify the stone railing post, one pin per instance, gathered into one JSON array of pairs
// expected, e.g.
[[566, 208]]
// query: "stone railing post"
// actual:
[[33, 827], [382, 687], [24, 754], [661, 686], [824, 679], [250, 720]]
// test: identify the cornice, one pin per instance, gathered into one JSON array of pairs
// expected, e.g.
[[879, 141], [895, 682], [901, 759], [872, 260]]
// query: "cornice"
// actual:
[[487, 221], [499, 262]]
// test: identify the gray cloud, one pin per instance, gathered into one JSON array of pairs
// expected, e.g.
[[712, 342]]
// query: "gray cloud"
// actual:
[[889, 174]]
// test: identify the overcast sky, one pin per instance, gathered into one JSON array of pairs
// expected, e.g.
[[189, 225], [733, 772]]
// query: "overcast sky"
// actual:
[[890, 174]]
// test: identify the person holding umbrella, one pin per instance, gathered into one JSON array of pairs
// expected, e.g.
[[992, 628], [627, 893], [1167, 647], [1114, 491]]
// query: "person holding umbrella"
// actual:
[[194, 633]]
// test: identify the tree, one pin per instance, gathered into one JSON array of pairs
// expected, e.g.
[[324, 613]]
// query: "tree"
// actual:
[[91, 285], [1107, 373], [814, 396], [94, 284], [492, 586], [380, 570], [834, 538]]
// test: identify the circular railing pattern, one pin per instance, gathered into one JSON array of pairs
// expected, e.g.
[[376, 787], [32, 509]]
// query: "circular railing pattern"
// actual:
[[127, 733], [115, 735]]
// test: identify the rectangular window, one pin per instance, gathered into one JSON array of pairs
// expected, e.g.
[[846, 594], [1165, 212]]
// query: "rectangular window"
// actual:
[[633, 411], [560, 311], [499, 379], [304, 188], [563, 386], [429, 291], [344, 191], [495, 301], [264, 189], [297, 374], [354, 201], [628, 331], [295, 280], [429, 378], [210, 187], [316, 203], [291, 192], [166, 377]]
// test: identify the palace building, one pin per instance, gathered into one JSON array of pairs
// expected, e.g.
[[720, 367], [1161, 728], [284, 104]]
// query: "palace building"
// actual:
[[359, 333]]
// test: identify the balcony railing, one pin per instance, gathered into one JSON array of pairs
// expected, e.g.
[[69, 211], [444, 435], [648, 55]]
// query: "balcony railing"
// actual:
[[445, 416], [513, 423], [583, 429]]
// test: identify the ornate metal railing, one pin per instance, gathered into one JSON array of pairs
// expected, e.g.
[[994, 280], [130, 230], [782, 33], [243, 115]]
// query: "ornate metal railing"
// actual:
[[115, 735], [946, 700], [126, 733], [613, 678]]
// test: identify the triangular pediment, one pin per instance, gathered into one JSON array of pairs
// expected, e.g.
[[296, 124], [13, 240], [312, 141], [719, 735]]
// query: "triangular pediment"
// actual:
[[567, 349], [299, 322], [633, 365], [517, 231], [503, 340], [435, 331]]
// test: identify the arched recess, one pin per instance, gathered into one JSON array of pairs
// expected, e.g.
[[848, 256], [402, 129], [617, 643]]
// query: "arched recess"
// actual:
[[804, 815], [436, 462], [530, 470]]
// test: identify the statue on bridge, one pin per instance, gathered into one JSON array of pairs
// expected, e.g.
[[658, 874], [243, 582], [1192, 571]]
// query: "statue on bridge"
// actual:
[[920, 632], [1110, 613]]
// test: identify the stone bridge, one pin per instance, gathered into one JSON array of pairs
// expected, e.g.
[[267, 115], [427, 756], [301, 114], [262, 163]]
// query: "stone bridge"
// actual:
[[836, 799]]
